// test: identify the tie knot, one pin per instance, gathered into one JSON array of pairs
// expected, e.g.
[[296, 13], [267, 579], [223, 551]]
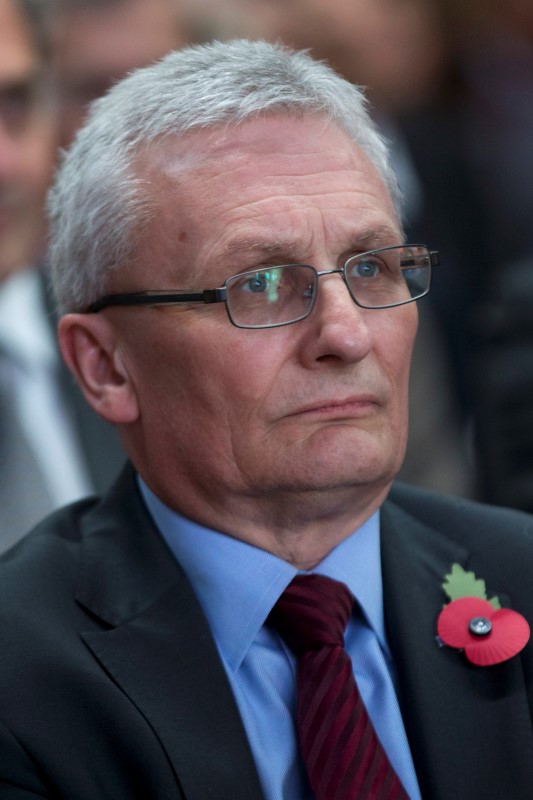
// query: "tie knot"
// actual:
[[312, 612]]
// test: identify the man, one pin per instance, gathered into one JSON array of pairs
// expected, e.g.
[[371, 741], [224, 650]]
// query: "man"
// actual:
[[97, 42], [54, 449], [55, 57], [263, 404]]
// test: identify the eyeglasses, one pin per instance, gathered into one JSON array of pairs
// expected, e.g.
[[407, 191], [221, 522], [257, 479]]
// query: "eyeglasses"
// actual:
[[270, 297]]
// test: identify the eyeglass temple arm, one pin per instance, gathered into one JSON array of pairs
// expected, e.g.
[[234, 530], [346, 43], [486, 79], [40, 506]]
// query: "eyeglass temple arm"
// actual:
[[434, 260], [146, 299]]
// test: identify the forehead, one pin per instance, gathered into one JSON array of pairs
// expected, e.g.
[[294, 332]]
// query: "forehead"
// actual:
[[17, 54], [273, 180], [305, 140]]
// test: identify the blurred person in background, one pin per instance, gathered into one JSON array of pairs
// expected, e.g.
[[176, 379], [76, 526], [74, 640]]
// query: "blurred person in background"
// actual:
[[496, 56], [53, 448], [96, 42], [52, 451]]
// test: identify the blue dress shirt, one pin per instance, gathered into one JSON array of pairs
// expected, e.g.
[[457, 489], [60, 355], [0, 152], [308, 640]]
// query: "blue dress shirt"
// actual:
[[237, 586]]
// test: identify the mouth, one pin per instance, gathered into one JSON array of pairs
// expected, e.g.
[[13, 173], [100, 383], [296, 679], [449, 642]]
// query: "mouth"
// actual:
[[348, 408]]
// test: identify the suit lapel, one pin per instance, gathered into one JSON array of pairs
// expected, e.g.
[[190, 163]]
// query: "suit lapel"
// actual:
[[458, 717], [160, 651]]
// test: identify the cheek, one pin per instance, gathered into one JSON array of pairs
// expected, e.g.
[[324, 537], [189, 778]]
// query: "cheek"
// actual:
[[254, 373], [207, 374], [38, 165], [396, 340]]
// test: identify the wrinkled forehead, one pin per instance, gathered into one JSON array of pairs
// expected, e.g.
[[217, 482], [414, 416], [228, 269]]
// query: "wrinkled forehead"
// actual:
[[273, 145], [271, 179], [266, 133]]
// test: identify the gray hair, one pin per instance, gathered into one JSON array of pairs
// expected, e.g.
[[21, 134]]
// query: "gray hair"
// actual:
[[98, 203]]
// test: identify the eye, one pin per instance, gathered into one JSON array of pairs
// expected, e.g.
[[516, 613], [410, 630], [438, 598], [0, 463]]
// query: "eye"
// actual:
[[263, 283], [256, 283], [268, 281], [364, 268], [15, 106]]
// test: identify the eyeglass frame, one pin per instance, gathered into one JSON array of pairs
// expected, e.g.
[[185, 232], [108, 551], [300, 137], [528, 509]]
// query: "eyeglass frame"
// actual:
[[162, 297]]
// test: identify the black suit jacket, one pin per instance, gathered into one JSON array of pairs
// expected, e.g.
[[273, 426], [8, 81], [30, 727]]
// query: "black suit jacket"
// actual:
[[112, 686]]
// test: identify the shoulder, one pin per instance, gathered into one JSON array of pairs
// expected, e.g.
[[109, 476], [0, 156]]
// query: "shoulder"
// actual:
[[44, 561], [497, 542], [457, 513]]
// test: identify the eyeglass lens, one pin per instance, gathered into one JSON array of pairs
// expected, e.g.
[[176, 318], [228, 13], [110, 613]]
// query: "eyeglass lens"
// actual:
[[271, 296], [280, 295]]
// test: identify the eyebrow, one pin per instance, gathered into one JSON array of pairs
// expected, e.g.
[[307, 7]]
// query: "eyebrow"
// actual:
[[265, 248], [370, 239]]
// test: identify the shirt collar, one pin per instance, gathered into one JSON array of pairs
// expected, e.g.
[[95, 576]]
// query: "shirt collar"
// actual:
[[237, 584]]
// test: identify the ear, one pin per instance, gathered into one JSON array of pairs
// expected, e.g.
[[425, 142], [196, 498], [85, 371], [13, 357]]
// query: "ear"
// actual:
[[89, 347]]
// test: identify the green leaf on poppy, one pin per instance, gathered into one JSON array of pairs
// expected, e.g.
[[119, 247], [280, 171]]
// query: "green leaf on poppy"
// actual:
[[460, 583], [495, 603]]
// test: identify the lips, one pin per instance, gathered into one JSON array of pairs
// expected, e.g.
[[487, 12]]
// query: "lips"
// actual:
[[347, 407]]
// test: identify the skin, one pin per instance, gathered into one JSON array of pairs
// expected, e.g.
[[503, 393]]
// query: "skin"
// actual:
[[27, 144], [95, 47], [287, 438]]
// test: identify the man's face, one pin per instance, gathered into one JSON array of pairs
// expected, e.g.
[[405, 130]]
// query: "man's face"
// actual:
[[27, 139], [95, 47], [315, 406]]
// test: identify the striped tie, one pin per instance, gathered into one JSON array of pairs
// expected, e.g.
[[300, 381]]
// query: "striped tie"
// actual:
[[342, 754]]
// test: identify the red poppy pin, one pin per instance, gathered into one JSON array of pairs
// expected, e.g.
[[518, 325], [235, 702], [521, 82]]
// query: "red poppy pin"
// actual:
[[488, 633]]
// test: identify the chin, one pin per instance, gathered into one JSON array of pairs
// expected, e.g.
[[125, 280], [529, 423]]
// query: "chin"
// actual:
[[351, 447], [341, 467]]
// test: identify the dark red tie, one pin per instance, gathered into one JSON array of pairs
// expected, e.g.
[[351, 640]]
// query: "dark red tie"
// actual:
[[342, 754]]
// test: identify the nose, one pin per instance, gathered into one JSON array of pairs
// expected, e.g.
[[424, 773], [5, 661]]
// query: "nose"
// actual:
[[337, 329]]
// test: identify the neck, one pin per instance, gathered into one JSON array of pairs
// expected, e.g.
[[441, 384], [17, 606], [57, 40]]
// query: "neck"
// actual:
[[300, 528]]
